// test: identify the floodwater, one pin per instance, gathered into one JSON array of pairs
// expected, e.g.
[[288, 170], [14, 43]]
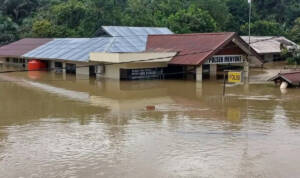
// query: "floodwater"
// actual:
[[59, 126]]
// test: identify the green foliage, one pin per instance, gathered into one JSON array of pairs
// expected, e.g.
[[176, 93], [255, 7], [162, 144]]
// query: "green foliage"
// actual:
[[83, 18], [18, 9], [151, 12], [295, 32], [43, 28], [8, 30], [263, 28], [192, 20], [219, 11], [238, 10], [69, 14], [294, 59], [281, 11]]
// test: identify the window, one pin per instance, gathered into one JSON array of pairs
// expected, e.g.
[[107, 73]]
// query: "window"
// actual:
[[15, 60]]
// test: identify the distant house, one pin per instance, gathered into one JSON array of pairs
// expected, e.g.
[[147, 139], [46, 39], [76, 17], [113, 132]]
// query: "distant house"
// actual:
[[269, 47], [291, 78]]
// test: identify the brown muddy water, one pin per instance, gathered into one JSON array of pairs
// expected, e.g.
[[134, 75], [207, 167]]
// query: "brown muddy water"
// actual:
[[59, 126]]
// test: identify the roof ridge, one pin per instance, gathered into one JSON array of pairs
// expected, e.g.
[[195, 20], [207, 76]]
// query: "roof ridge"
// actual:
[[290, 72], [193, 34], [132, 26]]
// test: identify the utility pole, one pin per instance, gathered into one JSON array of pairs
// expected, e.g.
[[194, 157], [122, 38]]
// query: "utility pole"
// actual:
[[249, 1], [249, 43]]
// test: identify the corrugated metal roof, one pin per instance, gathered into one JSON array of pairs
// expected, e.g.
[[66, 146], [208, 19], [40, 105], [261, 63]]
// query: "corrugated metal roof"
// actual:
[[74, 49], [291, 77], [124, 39], [78, 49], [128, 44], [117, 31], [206, 43], [269, 44], [18, 48], [131, 39]]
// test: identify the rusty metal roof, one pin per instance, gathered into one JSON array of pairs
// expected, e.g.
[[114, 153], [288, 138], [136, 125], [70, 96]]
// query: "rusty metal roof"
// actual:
[[18, 48], [193, 49], [292, 78]]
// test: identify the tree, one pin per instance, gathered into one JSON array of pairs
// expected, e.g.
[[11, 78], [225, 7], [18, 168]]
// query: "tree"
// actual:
[[281, 11], [219, 11], [295, 32], [8, 30], [238, 10], [263, 28], [18, 9], [72, 18], [70, 13], [192, 20], [295, 57], [43, 28]]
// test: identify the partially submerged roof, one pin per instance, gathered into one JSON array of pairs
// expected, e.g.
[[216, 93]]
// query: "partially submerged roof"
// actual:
[[74, 49], [121, 40], [269, 44], [79, 49], [127, 44], [18, 48], [292, 78], [124, 31], [193, 49], [131, 39]]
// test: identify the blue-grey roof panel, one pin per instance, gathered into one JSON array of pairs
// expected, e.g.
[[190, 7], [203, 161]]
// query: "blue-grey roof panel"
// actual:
[[74, 49], [124, 39], [116, 31]]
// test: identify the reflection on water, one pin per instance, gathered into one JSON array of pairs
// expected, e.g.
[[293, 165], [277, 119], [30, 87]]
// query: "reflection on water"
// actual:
[[62, 126]]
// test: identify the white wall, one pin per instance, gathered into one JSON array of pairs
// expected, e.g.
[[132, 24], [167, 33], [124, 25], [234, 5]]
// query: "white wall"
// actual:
[[81, 68]]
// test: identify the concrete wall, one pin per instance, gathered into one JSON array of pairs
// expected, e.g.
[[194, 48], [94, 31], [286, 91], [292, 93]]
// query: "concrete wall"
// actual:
[[19, 62], [131, 60], [81, 68], [131, 57], [2, 60]]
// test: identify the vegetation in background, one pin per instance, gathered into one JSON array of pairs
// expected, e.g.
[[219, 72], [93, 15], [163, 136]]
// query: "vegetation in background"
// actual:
[[8, 29], [83, 18], [263, 28], [293, 57], [295, 31], [192, 20]]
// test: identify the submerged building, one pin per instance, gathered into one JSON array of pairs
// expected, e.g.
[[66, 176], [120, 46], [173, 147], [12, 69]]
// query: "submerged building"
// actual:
[[291, 79], [134, 53], [71, 55], [270, 47], [189, 56]]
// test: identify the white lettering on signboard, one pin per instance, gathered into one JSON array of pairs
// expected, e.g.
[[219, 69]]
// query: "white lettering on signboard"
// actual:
[[225, 59]]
